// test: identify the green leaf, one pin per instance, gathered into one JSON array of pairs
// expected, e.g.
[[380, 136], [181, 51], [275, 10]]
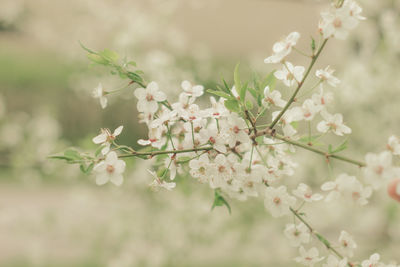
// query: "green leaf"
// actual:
[[97, 59], [220, 93], [184, 159], [323, 240], [249, 105], [98, 151], [134, 77], [295, 124], [269, 80], [132, 63], [219, 201], [161, 172], [109, 55], [341, 147], [312, 44], [232, 105], [236, 79], [253, 92], [226, 85], [242, 92], [72, 154], [58, 157], [330, 149], [86, 169]]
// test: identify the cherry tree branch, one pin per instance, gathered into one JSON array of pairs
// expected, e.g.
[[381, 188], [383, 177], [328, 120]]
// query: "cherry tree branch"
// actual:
[[299, 86]]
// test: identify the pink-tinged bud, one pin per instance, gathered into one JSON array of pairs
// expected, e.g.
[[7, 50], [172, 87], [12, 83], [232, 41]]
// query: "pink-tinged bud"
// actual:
[[393, 191]]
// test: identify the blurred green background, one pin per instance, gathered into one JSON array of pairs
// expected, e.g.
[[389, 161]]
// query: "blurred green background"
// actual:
[[51, 215]]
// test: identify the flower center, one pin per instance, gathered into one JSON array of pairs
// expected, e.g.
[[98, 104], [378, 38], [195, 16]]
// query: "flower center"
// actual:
[[202, 170], [277, 200], [149, 97], [356, 195], [332, 125], [110, 169], [379, 170], [290, 76], [236, 130], [337, 23]]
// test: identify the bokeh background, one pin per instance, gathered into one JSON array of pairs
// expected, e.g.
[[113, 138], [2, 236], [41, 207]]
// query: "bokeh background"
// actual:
[[52, 215]]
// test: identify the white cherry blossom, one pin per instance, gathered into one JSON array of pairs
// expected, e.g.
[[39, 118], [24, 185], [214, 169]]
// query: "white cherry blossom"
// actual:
[[99, 93], [378, 168], [214, 137], [348, 187], [200, 168], [309, 109], [273, 98], [157, 137], [217, 109], [105, 138], [308, 258], [149, 97], [347, 244], [373, 261], [297, 234], [283, 48], [322, 99], [290, 74], [304, 192], [157, 183], [235, 130], [332, 261], [339, 21], [327, 75], [192, 90], [332, 123], [277, 201], [393, 145], [110, 169]]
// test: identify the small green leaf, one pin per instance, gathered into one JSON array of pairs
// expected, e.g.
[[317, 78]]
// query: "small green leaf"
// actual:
[[232, 105], [295, 124], [184, 159], [58, 157], [226, 87], [161, 172], [341, 147], [98, 151], [72, 154], [220, 93], [242, 92], [253, 92], [330, 149], [323, 240], [249, 105], [236, 78], [97, 59], [132, 63], [219, 201], [312, 44], [269, 80], [109, 55]]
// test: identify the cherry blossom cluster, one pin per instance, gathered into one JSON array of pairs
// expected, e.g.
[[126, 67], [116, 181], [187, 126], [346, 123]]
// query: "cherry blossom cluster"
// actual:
[[222, 144]]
